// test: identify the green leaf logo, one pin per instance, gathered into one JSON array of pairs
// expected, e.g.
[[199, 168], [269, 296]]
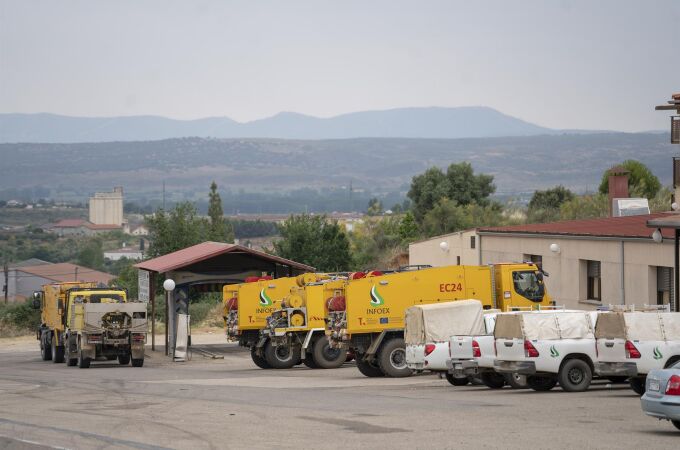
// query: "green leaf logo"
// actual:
[[264, 299], [376, 298], [553, 352], [657, 353]]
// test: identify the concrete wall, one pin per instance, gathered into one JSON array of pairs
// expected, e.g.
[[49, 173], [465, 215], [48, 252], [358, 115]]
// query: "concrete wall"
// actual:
[[106, 208], [21, 285], [567, 283]]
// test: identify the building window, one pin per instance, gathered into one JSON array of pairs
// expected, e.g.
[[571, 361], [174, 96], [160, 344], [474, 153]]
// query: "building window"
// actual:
[[536, 259], [594, 280], [664, 286], [472, 242]]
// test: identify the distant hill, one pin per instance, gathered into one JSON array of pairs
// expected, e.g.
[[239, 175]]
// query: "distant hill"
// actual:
[[439, 123], [188, 165]]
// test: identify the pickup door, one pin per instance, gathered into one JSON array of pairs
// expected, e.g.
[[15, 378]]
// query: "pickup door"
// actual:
[[510, 349], [611, 350], [437, 358], [461, 347], [415, 357]]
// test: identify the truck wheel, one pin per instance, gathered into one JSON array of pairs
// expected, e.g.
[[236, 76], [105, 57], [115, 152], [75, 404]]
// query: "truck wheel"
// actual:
[[124, 360], [83, 362], [110, 357], [541, 382], [327, 357], [258, 360], [45, 348], [516, 381], [637, 384], [281, 356], [575, 375], [457, 381], [137, 362], [57, 351], [493, 380], [368, 369], [392, 359], [70, 360]]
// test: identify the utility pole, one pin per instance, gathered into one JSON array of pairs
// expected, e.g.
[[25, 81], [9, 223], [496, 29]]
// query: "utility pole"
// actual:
[[76, 274], [163, 195], [6, 286]]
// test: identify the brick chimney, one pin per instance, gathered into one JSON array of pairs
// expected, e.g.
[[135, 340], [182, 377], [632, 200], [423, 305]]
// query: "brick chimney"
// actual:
[[618, 185]]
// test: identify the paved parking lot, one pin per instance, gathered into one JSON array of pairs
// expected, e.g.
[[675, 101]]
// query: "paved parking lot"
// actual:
[[231, 404]]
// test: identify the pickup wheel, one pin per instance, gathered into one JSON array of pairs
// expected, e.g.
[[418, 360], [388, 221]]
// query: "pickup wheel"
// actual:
[[516, 381], [82, 361], [392, 359], [57, 351], [493, 380], [258, 360], [575, 375], [541, 383], [137, 362], [637, 384], [368, 369], [281, 356], [457, 381], [327, 357], [45, 348], [124, 360]]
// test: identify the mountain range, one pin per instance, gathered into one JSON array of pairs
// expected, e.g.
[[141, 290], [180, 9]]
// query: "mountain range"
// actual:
[[432, 123]]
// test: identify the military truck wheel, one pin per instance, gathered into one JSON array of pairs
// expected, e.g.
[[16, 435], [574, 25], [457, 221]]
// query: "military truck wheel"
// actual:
[[281, 356], [575, 375], [45, 348], [368, 369], [110, 357], [541, 382], [516, 381], [137, 362], [327, 357], [457, 381], [493, 380], [392, 359], [259, 360], [124, 360], [637, 384], [57, 351], [309, 361], [83, 362]]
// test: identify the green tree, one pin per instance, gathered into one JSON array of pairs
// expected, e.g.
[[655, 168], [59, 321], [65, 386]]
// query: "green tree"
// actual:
[[545, 205], [91, 255], [375, 242], [445, 217], [128, 278], [662, 201], [374, 207], [408, 228], [174, 230], [314, 241], [220, 230], [585, 207], [641, 181]]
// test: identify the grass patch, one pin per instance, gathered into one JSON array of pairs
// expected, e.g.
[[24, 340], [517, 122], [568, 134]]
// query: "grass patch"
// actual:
[[18, 319]]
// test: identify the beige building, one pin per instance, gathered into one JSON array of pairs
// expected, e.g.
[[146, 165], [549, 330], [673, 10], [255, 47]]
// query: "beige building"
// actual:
[[590, 263], [106, 208]]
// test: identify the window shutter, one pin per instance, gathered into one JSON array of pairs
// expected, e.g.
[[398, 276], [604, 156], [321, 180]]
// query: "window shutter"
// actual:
[[594, 269]]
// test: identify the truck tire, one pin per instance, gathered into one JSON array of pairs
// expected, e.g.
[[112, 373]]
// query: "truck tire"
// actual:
[[258, 360], [575, 375], [83, 362], [327, 357], [516, 381], [281, 356], [493, 380], [309, 361], [541, 383], [57, 351], [637, 384], [392, 359], [45, 348], [70, 360], [124, 360], [457, 381], [137, 362], [368, 369]]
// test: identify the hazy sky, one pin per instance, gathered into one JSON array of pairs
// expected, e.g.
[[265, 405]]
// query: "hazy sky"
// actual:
[[562, 64]]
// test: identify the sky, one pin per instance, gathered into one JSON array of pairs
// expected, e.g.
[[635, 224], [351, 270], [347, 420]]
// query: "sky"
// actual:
[[561, 64]]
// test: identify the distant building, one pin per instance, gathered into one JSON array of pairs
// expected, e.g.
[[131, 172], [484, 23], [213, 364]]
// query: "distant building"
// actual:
[[79, 227], [140, 230], [125, 252], [23, 280], [106, 208]]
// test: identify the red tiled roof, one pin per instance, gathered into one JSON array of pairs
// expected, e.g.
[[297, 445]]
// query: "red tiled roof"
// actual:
[[93, 226], [207, 250], [67, 272], [70, 223], [617, 227]]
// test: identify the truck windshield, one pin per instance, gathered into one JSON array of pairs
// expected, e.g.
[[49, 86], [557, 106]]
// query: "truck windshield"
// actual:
[[528, 286]]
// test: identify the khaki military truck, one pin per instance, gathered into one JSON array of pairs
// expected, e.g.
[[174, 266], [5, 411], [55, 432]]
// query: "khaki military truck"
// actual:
[[81, 322]]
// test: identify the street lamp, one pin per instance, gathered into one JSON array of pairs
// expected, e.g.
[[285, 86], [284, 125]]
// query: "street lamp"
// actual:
[[555, 248], [169, 286], [657, 237], [444, 246]]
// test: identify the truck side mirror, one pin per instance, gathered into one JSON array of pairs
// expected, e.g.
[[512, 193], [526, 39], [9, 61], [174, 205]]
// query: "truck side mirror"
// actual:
[[37, 299]]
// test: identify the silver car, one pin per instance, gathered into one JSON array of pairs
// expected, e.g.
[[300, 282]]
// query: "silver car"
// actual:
[[662, 394]]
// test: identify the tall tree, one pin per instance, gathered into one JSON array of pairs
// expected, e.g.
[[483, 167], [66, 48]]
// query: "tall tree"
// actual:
[[641, 181], [220, 230], [314, 241], [545, 205], [174, 230]]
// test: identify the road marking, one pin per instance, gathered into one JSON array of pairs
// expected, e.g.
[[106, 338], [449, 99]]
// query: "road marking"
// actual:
[[26, 441]]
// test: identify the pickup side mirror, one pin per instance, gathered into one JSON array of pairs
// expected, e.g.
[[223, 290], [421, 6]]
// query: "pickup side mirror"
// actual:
[[37, 299]]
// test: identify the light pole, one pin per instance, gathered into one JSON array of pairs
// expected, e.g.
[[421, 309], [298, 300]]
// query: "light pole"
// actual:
[[169, 286]]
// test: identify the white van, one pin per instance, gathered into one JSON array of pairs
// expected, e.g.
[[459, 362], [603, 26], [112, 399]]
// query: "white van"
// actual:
[[548, 347], [427, 332], [634, 343]]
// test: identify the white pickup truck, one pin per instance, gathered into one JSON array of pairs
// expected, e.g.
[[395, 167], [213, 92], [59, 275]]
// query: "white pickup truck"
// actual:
[[548, 347], [428, 329], [634, 343]]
